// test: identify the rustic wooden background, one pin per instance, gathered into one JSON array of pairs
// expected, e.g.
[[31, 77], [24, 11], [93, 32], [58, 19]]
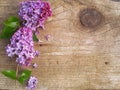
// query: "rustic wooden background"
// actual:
[[76, 57]]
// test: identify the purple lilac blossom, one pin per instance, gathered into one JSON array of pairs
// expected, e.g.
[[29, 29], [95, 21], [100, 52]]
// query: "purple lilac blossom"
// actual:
[[35, 12], [21, 46], [35, 65], [47, 37], [32, 82]]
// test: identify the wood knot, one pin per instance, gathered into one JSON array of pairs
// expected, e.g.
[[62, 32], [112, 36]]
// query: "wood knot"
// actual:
[[90, 17]]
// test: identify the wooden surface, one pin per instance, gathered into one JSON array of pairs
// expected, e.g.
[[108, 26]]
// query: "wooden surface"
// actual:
[[76, 57]]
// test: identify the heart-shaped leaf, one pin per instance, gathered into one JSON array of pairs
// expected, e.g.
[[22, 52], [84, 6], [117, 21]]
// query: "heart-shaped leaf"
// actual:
[[12, 22], [10, 73], [24, 76], [10, 26], [7, 32]]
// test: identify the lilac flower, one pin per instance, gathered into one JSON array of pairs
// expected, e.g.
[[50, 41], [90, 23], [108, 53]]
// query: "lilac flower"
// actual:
[[32, 82], [35, 65], [21, 46], [35, 13], [47, 37]]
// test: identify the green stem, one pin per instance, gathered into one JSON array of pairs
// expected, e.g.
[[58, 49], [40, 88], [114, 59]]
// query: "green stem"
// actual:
[[17, 70]]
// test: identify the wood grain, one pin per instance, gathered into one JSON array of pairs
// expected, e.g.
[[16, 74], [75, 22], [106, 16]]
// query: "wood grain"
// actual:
[[76, 57]]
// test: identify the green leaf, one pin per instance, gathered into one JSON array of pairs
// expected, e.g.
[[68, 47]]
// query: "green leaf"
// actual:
[[10, 73], [35, 37], [27, 72], [7, 32], [10, 26], [24, 76], [12, 22]]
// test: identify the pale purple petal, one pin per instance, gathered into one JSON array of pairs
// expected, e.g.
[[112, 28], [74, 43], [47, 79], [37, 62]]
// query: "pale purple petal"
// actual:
[[35, 65], [32, 83], [47, 37]]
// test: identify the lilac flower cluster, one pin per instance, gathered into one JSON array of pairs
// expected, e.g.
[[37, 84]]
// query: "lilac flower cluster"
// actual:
[[21, 46], [32, 83], [35, 12]]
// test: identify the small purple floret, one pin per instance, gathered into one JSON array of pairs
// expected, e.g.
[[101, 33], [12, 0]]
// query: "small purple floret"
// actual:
[[35, 65], [32, 82], [47, 37]]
